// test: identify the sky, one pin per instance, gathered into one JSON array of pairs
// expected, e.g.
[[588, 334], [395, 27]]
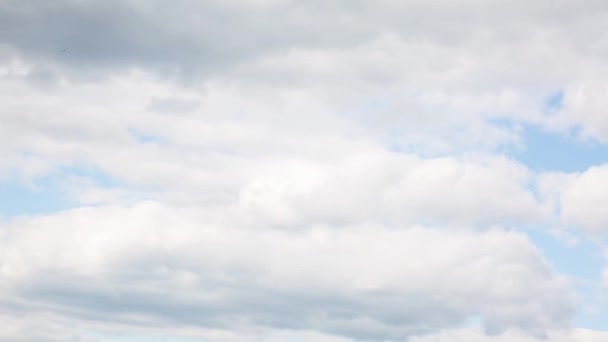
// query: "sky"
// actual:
[[286, 170]]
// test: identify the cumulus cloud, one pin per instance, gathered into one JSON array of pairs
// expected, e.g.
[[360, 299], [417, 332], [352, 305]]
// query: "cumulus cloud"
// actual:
[[431, 72], [579, 198], [394, 188], [151, 264], [237, 149]]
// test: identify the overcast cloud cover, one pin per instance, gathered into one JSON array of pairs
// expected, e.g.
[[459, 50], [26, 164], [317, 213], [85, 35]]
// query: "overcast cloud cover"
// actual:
[[282, 170]]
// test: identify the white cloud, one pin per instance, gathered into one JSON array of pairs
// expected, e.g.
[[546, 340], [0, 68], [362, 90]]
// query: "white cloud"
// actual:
[[285, 159], [580, 198], [264, 167], [440, 83], [179, 266], [394, 188]]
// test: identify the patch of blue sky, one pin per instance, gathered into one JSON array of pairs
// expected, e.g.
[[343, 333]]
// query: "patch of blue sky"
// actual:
[[473, 322], [48, 194], [542, 150], [583, 264], [583, 260], [593, 308], [91, 173], [146, 138], [44, 197], [545, 151], [554, 102]]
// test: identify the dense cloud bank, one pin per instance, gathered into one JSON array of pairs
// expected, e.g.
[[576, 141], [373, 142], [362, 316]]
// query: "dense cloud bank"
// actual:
[[273, 169]]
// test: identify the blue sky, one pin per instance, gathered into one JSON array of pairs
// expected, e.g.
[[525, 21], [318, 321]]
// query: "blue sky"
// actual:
[[23, 199], [546, 151]]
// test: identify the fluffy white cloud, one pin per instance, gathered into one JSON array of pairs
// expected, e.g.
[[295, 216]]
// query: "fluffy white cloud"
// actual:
[[580, 198], [236, 148], [394, 188], [432, 74], [151, 263]]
